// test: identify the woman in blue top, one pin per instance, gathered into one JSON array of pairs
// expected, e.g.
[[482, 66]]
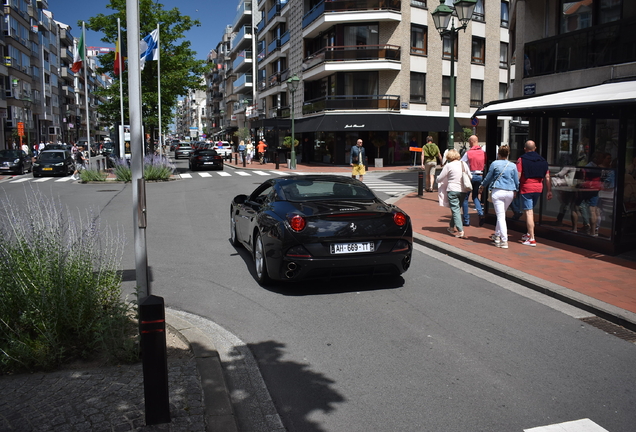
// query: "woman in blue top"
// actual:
[[503, 180]]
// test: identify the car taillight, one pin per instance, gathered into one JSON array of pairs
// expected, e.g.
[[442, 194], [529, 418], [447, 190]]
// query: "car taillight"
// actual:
[[399, 218], [297, 223]]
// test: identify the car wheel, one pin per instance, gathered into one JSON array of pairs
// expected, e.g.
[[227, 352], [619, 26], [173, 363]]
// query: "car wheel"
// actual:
[[24, 169], [259, 260], [233, 238]]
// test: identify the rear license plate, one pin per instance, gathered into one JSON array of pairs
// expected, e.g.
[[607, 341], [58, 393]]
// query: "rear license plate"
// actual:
[[345, 248], [47, 169], [209, 163], [4, 167]]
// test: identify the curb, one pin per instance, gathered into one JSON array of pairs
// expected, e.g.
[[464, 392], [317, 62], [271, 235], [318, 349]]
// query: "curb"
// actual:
[[599, 308], [219, 415]]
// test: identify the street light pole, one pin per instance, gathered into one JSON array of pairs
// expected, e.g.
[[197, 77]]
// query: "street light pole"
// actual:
[[442, 17], [27, 105], [293, 83]]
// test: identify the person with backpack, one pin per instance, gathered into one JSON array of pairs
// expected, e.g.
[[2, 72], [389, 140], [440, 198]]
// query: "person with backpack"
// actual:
[[431, 156]]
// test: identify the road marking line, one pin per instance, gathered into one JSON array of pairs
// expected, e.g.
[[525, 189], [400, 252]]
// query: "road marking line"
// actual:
[[205, 174], [243, 173], [224, 174], [583, 425], [64, 179], [20, 180], [41, 180], [186, 175], [282, 173], [261, 173]]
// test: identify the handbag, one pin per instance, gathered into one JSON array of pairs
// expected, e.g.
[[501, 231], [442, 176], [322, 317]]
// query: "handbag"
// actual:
[[493, 183], [467, 180]]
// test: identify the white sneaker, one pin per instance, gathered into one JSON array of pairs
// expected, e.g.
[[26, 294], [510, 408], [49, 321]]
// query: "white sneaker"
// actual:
[[502, 244], [495, 238]]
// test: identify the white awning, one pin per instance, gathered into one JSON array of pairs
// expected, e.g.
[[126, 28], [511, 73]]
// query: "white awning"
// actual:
[[603, 94]]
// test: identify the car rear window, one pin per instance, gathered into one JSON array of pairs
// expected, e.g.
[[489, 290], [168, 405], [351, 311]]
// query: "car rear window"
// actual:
[[49, 156], [312, 190], [183, 147]]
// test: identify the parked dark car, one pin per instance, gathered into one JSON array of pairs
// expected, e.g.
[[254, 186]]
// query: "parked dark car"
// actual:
[[15, 161], [318, 226], [183, 150], [205, 159], [54, 162]]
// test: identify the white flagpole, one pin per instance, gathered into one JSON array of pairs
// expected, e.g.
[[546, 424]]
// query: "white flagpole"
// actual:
[[159, 88], [122, 144], [88, 125]]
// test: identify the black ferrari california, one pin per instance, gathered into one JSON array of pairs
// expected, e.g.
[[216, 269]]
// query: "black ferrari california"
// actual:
[[320, 226]]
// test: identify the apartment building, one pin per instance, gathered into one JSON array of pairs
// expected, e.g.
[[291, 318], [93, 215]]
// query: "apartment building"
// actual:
[[376, 70], [574, 89], [41, 94]]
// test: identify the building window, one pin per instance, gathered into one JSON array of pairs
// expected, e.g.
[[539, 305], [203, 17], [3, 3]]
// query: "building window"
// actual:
[[446, 43], [418, 87], [503, 55], [476, 93], [505, 14], [419, 4], [479, 50], [580, 15], [419, 39], [503, 90], [479, 13], [446, 91]]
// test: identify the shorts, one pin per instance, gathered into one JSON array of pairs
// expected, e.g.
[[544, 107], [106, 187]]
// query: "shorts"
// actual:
[[430, 166], [529, 200], [358, 170]]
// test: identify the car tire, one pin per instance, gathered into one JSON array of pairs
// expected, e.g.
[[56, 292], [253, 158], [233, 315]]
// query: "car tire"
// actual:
[[233, 238], [262, 276]]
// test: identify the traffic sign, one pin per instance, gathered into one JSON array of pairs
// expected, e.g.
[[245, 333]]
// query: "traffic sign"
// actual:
[[21, 129], [474, 121]]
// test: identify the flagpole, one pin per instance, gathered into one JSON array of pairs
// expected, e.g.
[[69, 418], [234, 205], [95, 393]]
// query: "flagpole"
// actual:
[[122, 144], [88, 126], [159, 87]]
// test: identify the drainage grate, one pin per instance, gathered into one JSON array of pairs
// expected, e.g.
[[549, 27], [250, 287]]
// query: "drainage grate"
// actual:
[[611, 328]]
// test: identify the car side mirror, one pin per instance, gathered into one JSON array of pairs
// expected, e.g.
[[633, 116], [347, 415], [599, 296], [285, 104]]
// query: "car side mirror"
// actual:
[[240, 199]]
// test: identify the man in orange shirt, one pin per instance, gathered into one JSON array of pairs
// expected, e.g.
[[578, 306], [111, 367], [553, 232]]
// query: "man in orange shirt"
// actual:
[[260, 148]]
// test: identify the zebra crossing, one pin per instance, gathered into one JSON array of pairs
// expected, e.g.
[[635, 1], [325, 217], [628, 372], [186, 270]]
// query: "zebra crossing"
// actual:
[[392, 187]]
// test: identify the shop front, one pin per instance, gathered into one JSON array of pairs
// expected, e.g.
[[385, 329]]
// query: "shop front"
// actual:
[[387, 138], [587, 136]]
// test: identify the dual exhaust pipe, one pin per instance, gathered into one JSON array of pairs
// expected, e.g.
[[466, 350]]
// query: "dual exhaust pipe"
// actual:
[[292, 269]]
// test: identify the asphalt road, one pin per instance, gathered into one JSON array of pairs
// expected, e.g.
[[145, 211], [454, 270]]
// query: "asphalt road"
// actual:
[[445, 348]]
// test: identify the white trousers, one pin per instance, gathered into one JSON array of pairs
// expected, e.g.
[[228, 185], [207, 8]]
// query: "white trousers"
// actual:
[[501, 200]]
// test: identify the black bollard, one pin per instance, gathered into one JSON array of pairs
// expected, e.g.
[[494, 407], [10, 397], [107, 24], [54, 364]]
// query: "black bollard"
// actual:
[[243, 157], [152, 330], [420, 183], [277, 159], [236, 159]]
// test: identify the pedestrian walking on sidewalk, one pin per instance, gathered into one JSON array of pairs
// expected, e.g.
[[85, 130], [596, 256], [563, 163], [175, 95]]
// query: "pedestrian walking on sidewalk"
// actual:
[[476, 159], [430, 158], [241, 150], [451, 192], [503, 181], [533, 172], [79, 163], [261, 148], [356, 159]]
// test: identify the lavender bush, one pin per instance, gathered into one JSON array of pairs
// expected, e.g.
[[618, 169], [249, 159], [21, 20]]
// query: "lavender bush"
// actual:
[[61, 288], [156, 167]]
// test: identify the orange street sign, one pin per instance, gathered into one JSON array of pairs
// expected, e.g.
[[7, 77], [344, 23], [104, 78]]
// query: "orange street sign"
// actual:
[[415, 149], [21, 129]]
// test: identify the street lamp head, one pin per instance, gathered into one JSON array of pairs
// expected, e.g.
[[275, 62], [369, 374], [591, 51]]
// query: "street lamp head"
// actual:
[[464, 10], [442, 16], [293, 82]]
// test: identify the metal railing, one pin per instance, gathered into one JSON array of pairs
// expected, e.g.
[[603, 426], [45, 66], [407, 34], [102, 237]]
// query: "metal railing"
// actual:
[[349, 6], [352, 102], [353, 52]]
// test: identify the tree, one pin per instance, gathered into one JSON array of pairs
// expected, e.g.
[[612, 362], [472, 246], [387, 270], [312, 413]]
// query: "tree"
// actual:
[[180, 70], [287, 142]]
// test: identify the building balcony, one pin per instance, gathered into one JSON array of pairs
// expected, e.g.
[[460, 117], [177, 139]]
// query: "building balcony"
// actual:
[[243, 61], [328, 13], [243, 83], [243, 15], [351, 102], [68, 91], [602, 45], [272, 15], [242, 40], [66, 54], [351, 59]]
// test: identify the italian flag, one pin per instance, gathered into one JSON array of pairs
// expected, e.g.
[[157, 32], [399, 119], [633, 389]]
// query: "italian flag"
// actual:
[[78, 57]]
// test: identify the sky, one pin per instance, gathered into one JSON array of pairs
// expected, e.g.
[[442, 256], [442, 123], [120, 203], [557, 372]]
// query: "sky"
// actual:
[[214, 15]]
